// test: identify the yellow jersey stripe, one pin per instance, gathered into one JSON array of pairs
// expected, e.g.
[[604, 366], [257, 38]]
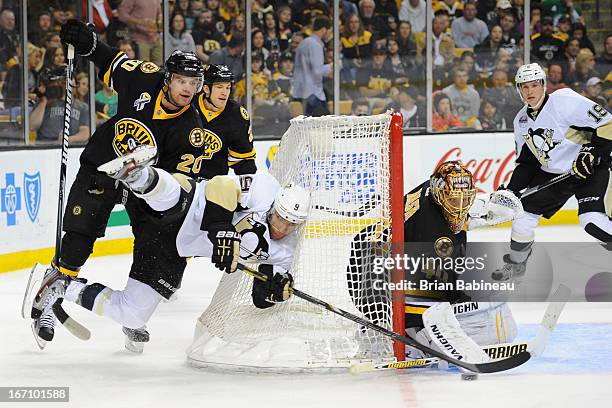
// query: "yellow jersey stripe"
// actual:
[[107, 75]]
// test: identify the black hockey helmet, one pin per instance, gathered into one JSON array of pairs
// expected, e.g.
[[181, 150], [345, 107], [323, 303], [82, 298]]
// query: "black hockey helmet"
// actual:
[[184, 63], [217, 73]]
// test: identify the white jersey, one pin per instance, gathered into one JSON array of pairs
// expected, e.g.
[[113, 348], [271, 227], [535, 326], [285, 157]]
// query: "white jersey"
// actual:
[[564, 123], [256, 245]]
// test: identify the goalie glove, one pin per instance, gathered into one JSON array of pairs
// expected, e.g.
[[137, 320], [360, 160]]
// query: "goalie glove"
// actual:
[[82, 36], [496, 208], [584, 164], [226, 246], [277, 288]]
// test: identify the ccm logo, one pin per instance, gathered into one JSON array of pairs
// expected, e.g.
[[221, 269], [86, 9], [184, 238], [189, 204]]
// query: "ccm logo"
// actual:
[[228, 234]]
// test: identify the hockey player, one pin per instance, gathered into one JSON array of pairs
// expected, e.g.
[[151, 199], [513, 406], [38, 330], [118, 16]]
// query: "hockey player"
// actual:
[[154, 109], [437, 215], [218, 218], [554, 134]]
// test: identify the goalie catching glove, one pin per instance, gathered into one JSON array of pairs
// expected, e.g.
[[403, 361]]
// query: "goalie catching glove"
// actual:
[[496, 208], [277, 288], [226, 246]]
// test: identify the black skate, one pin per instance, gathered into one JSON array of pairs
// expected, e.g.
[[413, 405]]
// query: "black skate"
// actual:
[[510, 270], [127, 168], [135, 339]]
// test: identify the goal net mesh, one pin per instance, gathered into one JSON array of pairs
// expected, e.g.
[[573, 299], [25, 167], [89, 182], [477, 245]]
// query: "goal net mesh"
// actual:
[[343, 161]]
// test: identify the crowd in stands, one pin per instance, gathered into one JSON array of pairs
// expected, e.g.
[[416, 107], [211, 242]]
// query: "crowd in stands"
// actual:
[[477, 47]]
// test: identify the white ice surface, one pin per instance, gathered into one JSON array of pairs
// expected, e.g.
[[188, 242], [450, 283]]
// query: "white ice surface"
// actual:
[[575, 370]]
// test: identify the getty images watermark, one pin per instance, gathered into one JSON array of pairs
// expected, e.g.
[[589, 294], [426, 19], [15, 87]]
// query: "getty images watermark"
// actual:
[[434, 273]]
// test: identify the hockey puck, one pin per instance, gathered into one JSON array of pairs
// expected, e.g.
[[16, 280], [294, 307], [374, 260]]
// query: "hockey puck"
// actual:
[[469, 376]]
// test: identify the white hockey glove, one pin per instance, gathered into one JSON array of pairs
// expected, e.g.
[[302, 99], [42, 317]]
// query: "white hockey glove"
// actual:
[[496, 208]]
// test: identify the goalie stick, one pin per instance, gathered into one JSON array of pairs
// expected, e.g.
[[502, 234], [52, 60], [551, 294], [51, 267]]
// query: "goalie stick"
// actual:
[[489, 367], [535, 346]]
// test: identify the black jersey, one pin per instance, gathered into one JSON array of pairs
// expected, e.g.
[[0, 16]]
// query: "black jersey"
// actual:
[[227, 133]]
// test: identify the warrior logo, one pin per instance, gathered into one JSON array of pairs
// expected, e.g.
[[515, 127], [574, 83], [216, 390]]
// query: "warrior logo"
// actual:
[[130, 133], [254, 245], [540, 142]]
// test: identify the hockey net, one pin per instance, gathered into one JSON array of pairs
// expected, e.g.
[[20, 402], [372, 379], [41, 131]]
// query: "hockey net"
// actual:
[[346, 164]]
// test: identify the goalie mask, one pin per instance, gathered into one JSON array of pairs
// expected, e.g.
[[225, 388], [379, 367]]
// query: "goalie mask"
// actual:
[[452, 188], [290, 209]]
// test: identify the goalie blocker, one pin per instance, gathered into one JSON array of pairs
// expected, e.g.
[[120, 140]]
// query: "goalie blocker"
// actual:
[[437, 215]]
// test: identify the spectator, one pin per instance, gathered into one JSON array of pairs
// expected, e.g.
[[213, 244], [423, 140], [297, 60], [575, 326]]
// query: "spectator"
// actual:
[[283, 78], [564, 28], [604, 61], [585, 69], [8, 37], [296, 40], [305, 10], [126, 47], [81, 88], [443, 117], [224, 16], [377, 25], [230, 55], [214, 6], [102, 14], [47, 118], [467, 61], [412, 112], [494, 16], [347, 9], [310, 69], [238, 28], [356, 47], [143, 18], [414, 12], [206, 37], [465, 99], [376, 78], [385, 12], [489, 117], [11, 91], [486, 53], [580, 33], [453, 8], [405, 41], [259, 9], [555, 78], [558, 8], [53, 40], [399, 64], [468, 30], [54, 58], [273, 41], [544, 47], [43, 27], [593, 91], [510, 37], [179, 38], [108, 101], [184, 8], [534, 22], [360, 107], [443, 47], [286, 26], [258, 41], [568, 62], [504, 95]]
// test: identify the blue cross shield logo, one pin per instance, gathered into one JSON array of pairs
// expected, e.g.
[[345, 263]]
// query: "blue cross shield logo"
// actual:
[[10, 199], [140, 103], [32, 193]]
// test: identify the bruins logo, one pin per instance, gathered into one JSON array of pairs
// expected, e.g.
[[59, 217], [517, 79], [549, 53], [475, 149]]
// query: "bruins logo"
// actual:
[[210, 141], [444, 247], [130, 133], [244, 113], [196, 137], [148, 67], [253, 235], [77, 210]]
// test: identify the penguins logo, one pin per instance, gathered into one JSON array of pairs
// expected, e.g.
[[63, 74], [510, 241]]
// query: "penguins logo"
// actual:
[[444, 247], [540, 142], [130, 133], [253, 232]]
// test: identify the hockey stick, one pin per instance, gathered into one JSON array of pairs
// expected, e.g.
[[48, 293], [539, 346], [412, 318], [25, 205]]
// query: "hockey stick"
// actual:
[[495, 351], [69, 323], [551, 182], [360, 212], [490, 367]]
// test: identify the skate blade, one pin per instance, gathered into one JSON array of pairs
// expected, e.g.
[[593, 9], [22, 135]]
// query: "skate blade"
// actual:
[[35, 280], [143, 154], [39, 342], [134, 346]]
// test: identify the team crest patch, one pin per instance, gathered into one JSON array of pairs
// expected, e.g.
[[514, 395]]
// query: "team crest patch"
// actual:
[[32, 185], [77, 210], [523, 119], [244, 113], [149, 67], [444, 247], [130, 133], [541, 143], [142, 100], [211, 143], [196, 137], [254, 245]]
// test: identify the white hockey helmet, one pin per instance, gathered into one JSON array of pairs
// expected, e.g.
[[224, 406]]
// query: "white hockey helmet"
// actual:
[[292, 203], [528, 73]]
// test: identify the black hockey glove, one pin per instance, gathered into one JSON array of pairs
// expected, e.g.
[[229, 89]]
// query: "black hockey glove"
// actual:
[[276, 289], [82, 36], [226, 246], [584, 164]]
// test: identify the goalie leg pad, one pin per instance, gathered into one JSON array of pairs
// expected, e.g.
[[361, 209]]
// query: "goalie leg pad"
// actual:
[[487, 322]]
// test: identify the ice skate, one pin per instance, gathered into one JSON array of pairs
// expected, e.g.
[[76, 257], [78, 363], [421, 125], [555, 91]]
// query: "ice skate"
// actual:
[[510, 269], [135, 339], [128, 168]]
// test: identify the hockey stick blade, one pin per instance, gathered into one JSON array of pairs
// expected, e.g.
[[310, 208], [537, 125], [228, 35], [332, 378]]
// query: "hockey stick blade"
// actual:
[[74, 327], [489, 367]]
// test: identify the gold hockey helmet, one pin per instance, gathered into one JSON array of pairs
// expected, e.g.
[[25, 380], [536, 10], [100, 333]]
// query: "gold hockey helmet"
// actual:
[[452, 188]]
